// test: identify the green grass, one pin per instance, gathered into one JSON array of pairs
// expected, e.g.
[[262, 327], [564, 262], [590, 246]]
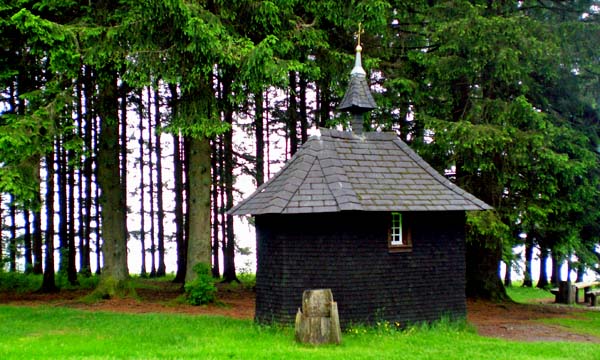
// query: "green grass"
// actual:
[[585, 323], [525, 295], [61, 333]]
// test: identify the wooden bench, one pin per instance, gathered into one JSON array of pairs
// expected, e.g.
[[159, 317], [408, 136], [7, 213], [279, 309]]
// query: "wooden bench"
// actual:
[[587, 287], [594, 294]]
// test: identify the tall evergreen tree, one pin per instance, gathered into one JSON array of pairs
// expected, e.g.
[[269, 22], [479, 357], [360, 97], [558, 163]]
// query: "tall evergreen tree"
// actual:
[[114, 231], [142, 186], [49, 282], [160, 208]]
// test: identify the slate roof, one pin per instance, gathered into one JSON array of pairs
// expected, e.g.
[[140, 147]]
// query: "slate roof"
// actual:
[[340, 171], [358, 98]]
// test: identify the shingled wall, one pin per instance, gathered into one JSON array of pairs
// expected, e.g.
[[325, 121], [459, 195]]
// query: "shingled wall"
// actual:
[[348, 252]]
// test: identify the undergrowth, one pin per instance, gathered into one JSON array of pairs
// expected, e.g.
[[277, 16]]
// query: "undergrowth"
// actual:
[[22, 283], [444, 325], [202, 290]]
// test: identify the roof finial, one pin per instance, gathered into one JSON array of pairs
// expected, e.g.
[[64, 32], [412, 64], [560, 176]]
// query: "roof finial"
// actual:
[[358, 99], [360, 31], [358, 69]]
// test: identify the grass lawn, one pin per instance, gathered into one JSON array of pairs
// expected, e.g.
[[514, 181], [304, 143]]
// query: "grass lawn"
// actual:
[[62, 333], [588, 323], [526, 295]]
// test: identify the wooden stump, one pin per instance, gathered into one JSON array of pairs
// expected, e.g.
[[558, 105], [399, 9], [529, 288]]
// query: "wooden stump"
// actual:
[[318, 321]]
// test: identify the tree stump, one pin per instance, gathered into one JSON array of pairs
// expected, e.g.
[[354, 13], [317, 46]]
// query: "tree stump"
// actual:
[[318, 321]]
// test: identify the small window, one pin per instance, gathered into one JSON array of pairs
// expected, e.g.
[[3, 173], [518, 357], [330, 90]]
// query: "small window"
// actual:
[[396, 236], [399, 236]]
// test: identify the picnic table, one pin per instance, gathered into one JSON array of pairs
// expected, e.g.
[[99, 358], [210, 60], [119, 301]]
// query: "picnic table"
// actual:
[[568, 293], [587, 287]]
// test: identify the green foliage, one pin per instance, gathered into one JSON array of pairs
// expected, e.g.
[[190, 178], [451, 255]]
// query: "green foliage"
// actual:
[[22, 282], [384, 327], [83, 282], [487, 224], [505, 92], [202, 290], [490, 99], [19, 282], [247, 279]]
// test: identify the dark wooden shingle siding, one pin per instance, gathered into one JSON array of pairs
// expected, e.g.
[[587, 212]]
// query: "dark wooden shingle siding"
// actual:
[[348, 253]]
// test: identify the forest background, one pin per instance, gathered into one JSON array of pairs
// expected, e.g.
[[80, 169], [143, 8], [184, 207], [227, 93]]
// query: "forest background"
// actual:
[[129, 122]]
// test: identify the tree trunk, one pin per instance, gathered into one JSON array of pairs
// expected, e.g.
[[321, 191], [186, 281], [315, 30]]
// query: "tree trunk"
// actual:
[[63, 243], [324, 102], [303, 110], [72, 255], [543, 279], [80, 219], [151, 187], [214, 161], [122, 179], [186, 186], [27, 242], [12, 247], [48, 282], [160, 209], [142, 187], [580, 272], [267, 139], [260, 139], [293, 114], [199, 205], [115, 274], [88, 173], [80, 174], [179, 217], [222, 202], [229, 248], [527, 277], [97, 216], [123, 90], [37, 242], [179, 191], [555, 278], [483, 256], [508, 274]]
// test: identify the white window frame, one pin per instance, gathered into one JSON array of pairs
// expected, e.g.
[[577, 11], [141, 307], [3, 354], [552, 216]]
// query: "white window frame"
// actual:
[[399, 234], [396, 236]]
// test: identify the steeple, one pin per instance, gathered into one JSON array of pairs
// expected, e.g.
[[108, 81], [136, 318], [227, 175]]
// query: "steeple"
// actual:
[[358, 98]]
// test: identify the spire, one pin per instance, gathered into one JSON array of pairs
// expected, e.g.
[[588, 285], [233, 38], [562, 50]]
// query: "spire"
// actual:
[[358, 69], [358, 98]]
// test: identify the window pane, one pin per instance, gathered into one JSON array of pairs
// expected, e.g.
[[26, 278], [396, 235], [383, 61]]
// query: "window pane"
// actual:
[[396, 233]]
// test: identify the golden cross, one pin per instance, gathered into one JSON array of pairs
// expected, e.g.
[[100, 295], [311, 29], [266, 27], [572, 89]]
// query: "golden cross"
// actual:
[[361, 30]]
